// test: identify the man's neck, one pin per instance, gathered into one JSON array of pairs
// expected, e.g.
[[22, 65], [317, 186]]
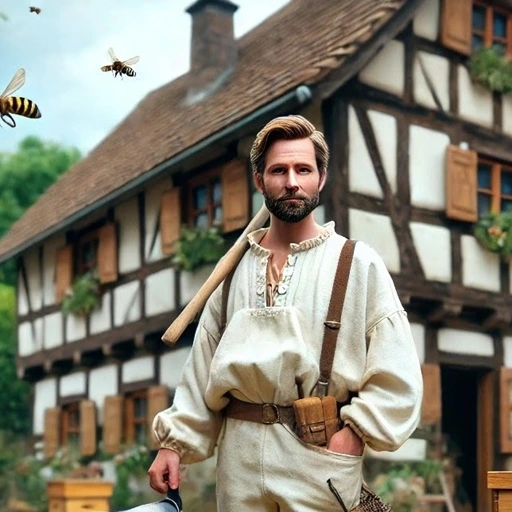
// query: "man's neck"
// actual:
[[281, 234]]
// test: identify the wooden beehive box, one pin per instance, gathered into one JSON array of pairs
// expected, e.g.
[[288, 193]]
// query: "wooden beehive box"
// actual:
[[77, 495]]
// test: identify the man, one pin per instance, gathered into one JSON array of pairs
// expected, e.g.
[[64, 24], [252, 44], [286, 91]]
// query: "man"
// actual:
[[278, 301]]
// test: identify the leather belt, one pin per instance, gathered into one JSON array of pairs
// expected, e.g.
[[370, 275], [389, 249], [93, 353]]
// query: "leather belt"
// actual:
[[267, 414]]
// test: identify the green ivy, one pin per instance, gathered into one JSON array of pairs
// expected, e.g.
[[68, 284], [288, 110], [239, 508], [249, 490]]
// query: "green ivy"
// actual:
[[490, 68], [197, 247], [494, 232], [83, 297]]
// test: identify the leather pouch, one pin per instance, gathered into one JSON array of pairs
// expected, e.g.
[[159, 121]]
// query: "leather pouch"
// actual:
[[316, 419]]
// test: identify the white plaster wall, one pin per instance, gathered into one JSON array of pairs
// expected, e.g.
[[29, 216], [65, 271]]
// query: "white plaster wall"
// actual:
[[75, 328], [100, 317], [426, 20], [160, 292], [127, 216], [49, 256], [190, 282], [507, 351], [171, 366], [457, 341], [480, 268], [72, 384], [39, 333], [361, 173], [433, 245], [142, 368], [53, 330], [386, 70], [127, 303], [475, 102], [418, 334], [27, 343], [427, 150], [384, 126], [22, 297], [102, 383], [507, 113], [45, 396], [31, 259], [376, 230], [411, 450], [152, 211], [438, 70]]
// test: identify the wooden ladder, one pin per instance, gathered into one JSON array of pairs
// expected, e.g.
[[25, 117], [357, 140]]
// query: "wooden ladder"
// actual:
[[438, 499]]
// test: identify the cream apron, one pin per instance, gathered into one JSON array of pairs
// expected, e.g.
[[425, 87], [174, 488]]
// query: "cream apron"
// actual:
[[267, 467]]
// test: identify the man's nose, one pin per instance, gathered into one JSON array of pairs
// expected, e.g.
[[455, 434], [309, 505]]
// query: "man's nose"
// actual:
[[291, 181]]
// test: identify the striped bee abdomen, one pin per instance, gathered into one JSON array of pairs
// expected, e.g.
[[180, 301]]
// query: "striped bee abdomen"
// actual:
[[23, 107]]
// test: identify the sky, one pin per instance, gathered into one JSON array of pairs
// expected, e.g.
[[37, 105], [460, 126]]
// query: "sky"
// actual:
[[63, 48]]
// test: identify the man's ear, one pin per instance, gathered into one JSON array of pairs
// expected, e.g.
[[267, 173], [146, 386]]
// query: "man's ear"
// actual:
[[323, 179], [258, 181]]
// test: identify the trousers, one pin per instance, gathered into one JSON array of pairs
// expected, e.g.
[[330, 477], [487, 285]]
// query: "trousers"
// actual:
[[267, 468]]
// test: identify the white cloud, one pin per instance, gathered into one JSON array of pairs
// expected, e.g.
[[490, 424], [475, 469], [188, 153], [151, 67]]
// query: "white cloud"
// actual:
[[63, 48]]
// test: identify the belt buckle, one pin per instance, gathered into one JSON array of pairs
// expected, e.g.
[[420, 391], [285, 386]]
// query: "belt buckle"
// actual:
[[270, 414]]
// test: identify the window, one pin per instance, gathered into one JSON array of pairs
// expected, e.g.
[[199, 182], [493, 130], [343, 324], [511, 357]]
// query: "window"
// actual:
[[70, 425], [494, 186], [205, 200], [136, 410], [87, 252], [490, 27]]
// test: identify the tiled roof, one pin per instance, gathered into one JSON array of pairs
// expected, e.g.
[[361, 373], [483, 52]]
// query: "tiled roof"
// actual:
[[300, 44]]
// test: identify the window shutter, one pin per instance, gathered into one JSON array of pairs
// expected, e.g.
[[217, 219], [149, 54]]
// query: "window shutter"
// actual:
[[506, 410], [431, 407], [158, 400], [51, 434], [63, 272], [456, 25], [87, 427], [235, 196], [107, 253], [112, 423], [170, 220], [461, 184], [129, 413]]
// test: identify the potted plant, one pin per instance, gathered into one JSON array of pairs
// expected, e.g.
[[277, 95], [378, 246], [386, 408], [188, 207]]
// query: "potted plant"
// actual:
[[494, 232], [83, 296], [490, 67], [197, 247]]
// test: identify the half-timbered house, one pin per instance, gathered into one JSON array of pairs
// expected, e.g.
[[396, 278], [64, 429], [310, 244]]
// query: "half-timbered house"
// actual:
[[419, 153]]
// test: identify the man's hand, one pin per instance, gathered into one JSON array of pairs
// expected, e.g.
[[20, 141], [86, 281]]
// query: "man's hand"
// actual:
[[347, 442], [165, 471]]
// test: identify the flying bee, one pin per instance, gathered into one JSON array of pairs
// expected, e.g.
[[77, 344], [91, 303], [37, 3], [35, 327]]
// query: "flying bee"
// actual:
[[37, 10], [15, 105], [119, 67]]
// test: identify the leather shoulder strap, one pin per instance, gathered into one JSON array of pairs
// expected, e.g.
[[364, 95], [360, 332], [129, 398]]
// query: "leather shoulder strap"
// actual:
[[333, 321]]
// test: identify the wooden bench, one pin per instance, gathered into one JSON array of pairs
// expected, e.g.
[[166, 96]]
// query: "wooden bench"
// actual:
[[500, 484]]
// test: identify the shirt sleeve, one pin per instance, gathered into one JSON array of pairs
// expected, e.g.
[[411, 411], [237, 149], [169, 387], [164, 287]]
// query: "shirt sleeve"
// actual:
[[387, 408], [189, 427]]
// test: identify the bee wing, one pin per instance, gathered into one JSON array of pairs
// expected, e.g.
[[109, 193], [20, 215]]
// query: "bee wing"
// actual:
[[131, 61], [112, 55], [17, 81]]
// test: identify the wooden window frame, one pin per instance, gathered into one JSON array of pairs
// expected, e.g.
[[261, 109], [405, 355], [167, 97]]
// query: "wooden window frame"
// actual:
[[82, 241], [67, 427], [487, 34], [131, 421], [497, 169], [204, 179]]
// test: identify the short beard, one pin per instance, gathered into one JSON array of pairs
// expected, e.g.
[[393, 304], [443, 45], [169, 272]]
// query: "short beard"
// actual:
[[292, 213]]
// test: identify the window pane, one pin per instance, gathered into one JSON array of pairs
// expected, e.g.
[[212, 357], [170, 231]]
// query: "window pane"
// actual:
[[217, 191], [217, 215], [202, 220], [140, 407], [200, 197], [506, 205], [506, 183], [484, 176], [140, 434], [478, 17], [499, 26], [477, 43], [484, 204], [89, 253]]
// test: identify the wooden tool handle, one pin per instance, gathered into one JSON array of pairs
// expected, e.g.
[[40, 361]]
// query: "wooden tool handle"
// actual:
[[229, 261]]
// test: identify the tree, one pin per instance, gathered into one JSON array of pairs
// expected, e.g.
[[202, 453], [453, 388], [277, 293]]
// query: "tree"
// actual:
[[24, 176]]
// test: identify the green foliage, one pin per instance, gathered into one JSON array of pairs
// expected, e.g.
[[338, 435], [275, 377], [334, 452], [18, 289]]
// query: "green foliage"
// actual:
[[197, 247], [15, 415], [83, 297], [494, 232], [24, 176], [490, 68]]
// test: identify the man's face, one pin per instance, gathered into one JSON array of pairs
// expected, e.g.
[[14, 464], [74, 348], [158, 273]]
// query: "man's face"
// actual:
[[290, 182]]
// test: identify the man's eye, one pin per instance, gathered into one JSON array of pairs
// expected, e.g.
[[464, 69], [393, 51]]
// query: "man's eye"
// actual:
[[304, 170], [277, 170]]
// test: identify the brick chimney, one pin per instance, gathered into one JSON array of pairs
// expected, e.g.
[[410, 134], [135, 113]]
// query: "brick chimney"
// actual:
[[214, 50]]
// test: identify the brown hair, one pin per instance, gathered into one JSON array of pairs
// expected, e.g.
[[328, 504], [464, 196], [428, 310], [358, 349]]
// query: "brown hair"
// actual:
[[288, 128]]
